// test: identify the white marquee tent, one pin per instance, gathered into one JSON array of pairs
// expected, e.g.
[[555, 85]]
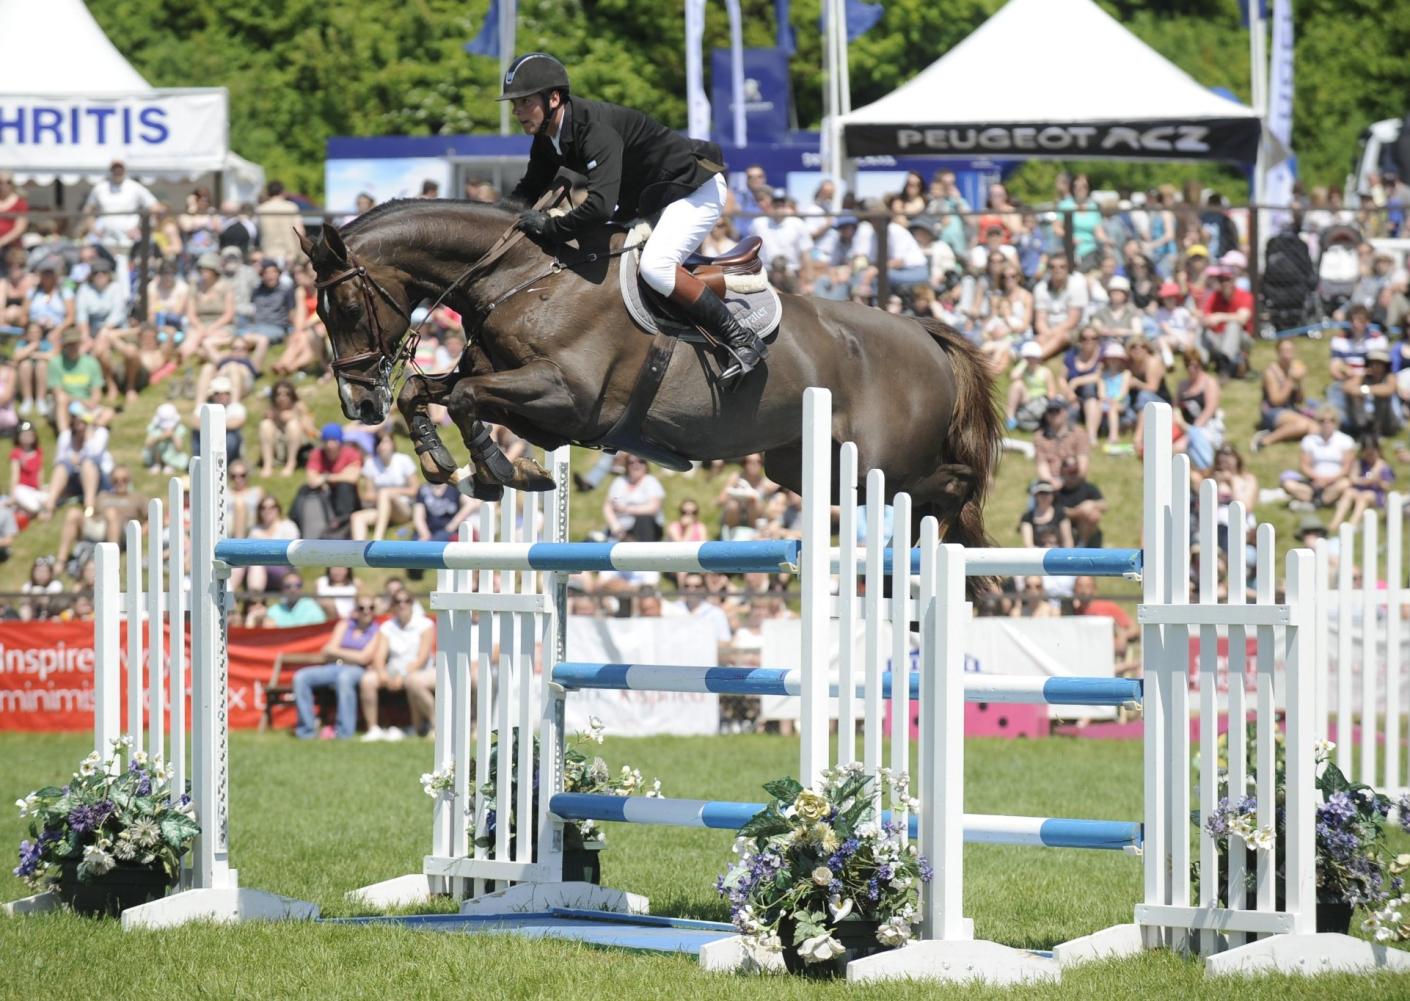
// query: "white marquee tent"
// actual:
[[1055, 79], [70, 104]]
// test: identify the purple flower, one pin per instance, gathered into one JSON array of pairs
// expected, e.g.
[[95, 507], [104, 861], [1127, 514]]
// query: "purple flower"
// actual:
[[83, 819], [30, 854], [927, 871], [886, 872], [1403, 808], [873, 891], [144, 787], [1338, 807]]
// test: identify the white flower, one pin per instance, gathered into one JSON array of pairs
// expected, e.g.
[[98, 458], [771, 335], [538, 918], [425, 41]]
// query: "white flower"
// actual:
[[119, 743], [441, 781], [587, 827], [655, 791], [27, 805], [145, 832], [839, 908], [820, 948], [96, 860], [596, 728], [1260, 838], [894, 932], [140, 758], [822, 875], [743, 846], [868, 830], [1324, 749], [125, 850]]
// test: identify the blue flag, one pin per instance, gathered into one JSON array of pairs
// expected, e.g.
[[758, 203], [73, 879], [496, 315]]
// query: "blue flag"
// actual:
[[861, 18], [786, 41], [1244, 16], [486, 43]]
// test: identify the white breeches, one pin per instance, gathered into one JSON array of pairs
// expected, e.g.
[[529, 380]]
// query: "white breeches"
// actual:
[[683, 226]]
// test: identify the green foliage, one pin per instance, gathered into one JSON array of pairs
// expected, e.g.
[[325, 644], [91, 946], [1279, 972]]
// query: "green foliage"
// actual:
[[303, 71]]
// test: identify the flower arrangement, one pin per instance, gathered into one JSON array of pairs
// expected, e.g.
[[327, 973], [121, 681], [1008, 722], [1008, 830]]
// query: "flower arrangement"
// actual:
[[581, 773], [814, 858], [111, 813], [1354, 865]]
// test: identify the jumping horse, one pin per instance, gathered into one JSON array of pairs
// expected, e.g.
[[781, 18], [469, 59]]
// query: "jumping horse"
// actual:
[[554, 355]]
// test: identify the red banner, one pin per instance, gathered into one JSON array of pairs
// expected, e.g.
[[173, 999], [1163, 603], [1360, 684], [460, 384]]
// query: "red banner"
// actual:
[[46, 672]]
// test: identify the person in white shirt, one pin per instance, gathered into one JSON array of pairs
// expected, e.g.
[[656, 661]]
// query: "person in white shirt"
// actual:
[[1324, 472], [114, 206], [633, 506], [401, 659], [390, 477], [784, 235], [1059, 302], [82, 463], [101, 302], [695, 604]]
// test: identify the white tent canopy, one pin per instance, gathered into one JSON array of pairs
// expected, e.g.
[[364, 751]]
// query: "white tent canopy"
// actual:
[[1078, 86], [66, 113]]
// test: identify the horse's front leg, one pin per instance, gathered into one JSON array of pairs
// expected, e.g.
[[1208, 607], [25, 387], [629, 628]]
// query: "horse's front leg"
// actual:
[[524, 391], [437, 464]]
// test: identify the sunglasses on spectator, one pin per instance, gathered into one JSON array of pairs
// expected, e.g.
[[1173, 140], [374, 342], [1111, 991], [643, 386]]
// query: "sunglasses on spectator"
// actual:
[[238, 474], [293, 585], [268, 506], [401, 600], [690, 510], [367, 607]]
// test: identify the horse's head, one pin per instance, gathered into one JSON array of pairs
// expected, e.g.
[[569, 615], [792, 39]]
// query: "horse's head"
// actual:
[[366, 312]]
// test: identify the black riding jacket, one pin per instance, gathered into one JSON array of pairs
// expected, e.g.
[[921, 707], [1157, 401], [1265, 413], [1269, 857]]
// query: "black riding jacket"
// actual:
[[634, 165]]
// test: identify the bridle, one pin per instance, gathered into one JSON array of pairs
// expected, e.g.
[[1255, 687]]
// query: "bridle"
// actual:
[[387, 352]]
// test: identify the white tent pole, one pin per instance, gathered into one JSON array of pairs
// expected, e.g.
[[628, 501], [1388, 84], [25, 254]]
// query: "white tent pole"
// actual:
[[1258, 90]]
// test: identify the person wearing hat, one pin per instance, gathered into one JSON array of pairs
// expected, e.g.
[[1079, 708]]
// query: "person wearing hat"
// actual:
[[635, 167], [210, 309], [1349, 349], [100, 308], [1177, 330], [221, 393], [1113, 392], [51, 304], [1119, 318], [166, 446], [784, 235], [1195, 265], [938, 253], [333, 469], [166, 298], [1032, 386], [74, 377], [1058, 440], [82, 463], [1045, 517], [1375, 405], [1228, 323]]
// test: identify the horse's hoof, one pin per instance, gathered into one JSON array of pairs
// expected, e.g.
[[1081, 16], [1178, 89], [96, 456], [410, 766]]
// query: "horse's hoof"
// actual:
[[431, 470], [530, 476], [472, 487], [435, 459]]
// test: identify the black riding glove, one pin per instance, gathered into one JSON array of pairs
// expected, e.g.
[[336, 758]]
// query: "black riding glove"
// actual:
[[533, 223]]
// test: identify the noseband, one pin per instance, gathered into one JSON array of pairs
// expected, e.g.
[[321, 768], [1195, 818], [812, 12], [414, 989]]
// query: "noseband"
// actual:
[[385, 351]]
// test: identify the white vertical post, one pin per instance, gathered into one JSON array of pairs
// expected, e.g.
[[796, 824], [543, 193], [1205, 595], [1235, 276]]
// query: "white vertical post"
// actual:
[[900, 649], [1346, 556], [815, 573], [524, 624], [176, 626], [1395, 595], [1370, 659], [847, 604], [553, 630], [1238, 701], [1301, 849], [942, 746], [446, 809], [156, 722], [107, 650], [1155, 589], [1265, 711], [1322, 557], [504, 692], [132, 613], [1209, 699], [872, 653], [210, 765], [1177, 640], [486, 681]]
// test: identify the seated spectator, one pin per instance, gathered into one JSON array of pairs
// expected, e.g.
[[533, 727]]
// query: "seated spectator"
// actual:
[[271, 525], [106, 523], [1324, 472], [1056, 441], [388, 485], [1005, 319], [687, 527], [82, 463], [235, 416], [51, 305], [1059, 302], [16, 284], [210, 309], [294, 608], [100, 307], [783, 233], [331, 483], [695, 605], [145, 357], [1033, 602], [1082, 503], [742, 501], [1228, 323], [1375, 407], [633, 505], [166, 448], [1125, 633], [1114, 392], [1177, 327], [273, 302], [1198, 396], [1370, 478], [1283, 412], [722, 238], [438, 512], [1082, 374], [401, 659], [1032, 387], [75, 377], [937, 252], [337, 591], [1044, 516], [349, 651], [166, 301], [1145, 284], [307, 338], [242, 499], [239, 364], [1148, 384], [1236, 485], [1348, 356], [40, 589], [26, 468], [285, 428], [1119, 319], [31, 357], [1032, 247]]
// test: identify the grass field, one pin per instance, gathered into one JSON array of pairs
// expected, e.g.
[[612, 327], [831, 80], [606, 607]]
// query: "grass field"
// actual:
[[313, 820]]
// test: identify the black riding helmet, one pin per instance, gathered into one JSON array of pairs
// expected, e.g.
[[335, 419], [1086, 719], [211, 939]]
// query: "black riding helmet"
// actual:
[[534, 73]]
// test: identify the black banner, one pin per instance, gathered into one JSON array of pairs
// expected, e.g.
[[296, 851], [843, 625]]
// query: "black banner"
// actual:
[[1232, 140]]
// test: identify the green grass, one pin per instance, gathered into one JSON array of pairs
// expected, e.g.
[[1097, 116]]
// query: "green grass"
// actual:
[[313, 820]]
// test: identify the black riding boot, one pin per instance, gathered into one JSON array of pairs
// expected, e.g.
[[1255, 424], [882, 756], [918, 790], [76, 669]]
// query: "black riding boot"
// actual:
[[705, 309]]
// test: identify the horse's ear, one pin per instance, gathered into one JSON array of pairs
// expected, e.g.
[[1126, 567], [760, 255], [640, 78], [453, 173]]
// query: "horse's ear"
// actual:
[[306, 245], [333, 240]]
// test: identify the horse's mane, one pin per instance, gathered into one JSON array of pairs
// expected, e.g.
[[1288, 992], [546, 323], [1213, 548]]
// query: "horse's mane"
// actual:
[[416, 207]]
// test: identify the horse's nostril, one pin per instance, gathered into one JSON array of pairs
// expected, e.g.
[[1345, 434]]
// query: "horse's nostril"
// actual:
[[368, 413]]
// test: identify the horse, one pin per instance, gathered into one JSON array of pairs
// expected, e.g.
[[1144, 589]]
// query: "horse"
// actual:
[[554, 355]]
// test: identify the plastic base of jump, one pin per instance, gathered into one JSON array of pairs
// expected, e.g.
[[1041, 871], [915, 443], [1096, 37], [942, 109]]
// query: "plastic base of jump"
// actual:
[[1307, 955], [956, 962], [40, 903], [1117, 942], [399, 891], [529, 897], [228, 904]]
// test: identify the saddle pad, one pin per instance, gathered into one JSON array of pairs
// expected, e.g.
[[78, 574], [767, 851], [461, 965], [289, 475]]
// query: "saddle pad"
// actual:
[[758, 309]]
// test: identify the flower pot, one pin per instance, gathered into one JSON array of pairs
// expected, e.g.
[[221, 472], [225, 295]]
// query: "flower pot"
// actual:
[[857, 936], [1334, 916], [125, 885], [582, 865]]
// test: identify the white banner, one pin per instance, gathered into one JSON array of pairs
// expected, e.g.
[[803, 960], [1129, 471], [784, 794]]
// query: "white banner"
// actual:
[[1278, 183], [161, 131], [682, 641], [1071, 646], [697, 103]]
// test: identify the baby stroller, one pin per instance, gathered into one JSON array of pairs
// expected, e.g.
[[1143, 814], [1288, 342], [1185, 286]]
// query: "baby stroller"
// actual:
[[1289, 287], [1338, 267]]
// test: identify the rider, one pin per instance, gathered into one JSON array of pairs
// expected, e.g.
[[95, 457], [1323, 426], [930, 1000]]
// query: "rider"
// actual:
[[636, 165]]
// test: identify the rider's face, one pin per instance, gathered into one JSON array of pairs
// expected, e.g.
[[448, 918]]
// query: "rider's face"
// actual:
[[530, 111]]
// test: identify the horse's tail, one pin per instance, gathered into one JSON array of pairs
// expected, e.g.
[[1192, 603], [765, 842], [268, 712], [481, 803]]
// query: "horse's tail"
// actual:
[[975, 440]]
